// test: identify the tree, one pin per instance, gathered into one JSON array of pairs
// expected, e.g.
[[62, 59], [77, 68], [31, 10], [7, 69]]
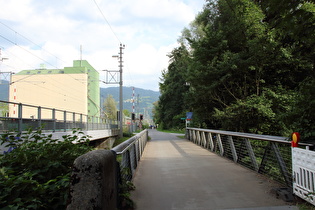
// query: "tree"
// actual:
[[173, 87], [127, 113], [4, 109], [110, 106], [249, 65]]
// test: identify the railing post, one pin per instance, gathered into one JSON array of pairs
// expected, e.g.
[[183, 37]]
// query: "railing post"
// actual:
[[54, 119], [251, 154], [235, 158], [81, 122], [220, 144], [73, 120], [39, 116], [198, 137], [87, 122], [92, 122], [203, 137], [264, 158], [20, 115], [211, 144], [65, 121], [282, 164]]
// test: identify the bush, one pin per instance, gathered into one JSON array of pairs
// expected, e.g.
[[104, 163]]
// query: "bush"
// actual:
[[35, 172]]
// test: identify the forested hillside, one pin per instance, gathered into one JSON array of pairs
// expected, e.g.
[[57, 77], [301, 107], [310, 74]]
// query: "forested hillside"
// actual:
[[144, 99], [244, 65]]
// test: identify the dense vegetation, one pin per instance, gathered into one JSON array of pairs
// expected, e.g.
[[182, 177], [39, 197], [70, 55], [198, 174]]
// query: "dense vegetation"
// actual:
[[244, 65], [35, 172]]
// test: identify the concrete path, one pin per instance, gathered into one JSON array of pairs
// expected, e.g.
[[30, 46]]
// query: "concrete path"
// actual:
[[177, 174]]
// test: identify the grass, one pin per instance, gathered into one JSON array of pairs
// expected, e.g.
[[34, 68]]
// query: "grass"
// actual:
[[181, 137], [182, 131], [120, 140]]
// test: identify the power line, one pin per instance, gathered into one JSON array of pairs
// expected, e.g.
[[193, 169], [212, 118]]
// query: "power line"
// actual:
[[107, 21], [28, 51], [17, 57], [30, 42]]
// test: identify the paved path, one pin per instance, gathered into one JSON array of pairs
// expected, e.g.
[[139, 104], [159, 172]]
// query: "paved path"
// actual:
[[177, 174]]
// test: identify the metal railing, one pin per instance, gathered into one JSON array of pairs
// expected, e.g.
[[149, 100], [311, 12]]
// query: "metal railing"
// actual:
[[268, 155], [129, 153], [24, 116]]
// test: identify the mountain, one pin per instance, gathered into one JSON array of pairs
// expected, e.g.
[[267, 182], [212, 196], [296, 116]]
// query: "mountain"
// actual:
[[4, 90], [144, 99]]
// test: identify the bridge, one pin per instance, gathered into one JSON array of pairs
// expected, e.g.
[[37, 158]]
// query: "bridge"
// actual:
[[211, 169], [177, 174], [54, 121], [205, 169]]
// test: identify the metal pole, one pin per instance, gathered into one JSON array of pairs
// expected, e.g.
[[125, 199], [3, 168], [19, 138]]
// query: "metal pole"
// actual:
[[121, 91]]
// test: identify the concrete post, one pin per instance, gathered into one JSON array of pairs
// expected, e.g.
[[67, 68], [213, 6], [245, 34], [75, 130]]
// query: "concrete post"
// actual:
[[94, 182]]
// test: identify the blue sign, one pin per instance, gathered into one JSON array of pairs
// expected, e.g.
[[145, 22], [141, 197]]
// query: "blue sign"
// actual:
[[189, 115]]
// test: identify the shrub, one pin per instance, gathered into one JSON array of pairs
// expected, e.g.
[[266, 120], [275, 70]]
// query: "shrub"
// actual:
[[35, 172]]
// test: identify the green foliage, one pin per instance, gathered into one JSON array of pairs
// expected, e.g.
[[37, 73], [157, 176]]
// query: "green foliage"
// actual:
[[302, 117], [4, 109], [36, 173], [249, 66], [182, 131], [126, 113], [110, 106], [125, 187], [171, 106]]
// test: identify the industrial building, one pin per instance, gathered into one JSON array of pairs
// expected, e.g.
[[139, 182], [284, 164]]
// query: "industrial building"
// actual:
[[74, 89]]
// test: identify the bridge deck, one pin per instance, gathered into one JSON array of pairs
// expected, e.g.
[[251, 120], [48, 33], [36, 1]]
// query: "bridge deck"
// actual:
[[177, 174]]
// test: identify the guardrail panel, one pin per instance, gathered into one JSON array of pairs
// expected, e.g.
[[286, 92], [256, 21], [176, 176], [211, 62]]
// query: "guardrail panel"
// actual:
[[269, 155], [129, 154]]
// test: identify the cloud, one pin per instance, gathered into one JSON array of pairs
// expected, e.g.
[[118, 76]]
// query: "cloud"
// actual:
[[173, 10], [52, 32]]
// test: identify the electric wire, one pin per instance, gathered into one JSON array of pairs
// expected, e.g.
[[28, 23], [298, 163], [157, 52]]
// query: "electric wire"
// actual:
[[13, 55], [15, 43], [27, 51], [107, 21], [31, 41]]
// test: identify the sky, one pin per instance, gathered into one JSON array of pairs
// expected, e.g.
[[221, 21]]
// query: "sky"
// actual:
[[52, 32]]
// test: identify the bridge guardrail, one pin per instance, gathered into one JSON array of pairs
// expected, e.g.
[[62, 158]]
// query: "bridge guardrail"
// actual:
[[24, 116], [129, 153], [269, 155]]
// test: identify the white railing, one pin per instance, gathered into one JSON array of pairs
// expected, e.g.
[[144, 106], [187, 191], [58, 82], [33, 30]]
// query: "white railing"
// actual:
[[303, 171]]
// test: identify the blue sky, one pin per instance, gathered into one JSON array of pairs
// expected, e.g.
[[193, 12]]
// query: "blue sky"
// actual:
[[51, 32]]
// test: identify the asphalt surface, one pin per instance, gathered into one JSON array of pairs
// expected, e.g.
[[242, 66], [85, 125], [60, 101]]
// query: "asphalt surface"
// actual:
[[176, 174]]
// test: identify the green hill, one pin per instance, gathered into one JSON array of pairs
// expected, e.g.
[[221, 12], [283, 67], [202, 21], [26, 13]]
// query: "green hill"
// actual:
[[144, 99]]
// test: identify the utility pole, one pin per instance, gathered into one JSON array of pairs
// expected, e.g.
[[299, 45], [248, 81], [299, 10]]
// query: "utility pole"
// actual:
[[121, 90], [111, 78]]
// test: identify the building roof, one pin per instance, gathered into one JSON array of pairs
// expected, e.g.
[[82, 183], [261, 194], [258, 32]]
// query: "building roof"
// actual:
[[79, 67]]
